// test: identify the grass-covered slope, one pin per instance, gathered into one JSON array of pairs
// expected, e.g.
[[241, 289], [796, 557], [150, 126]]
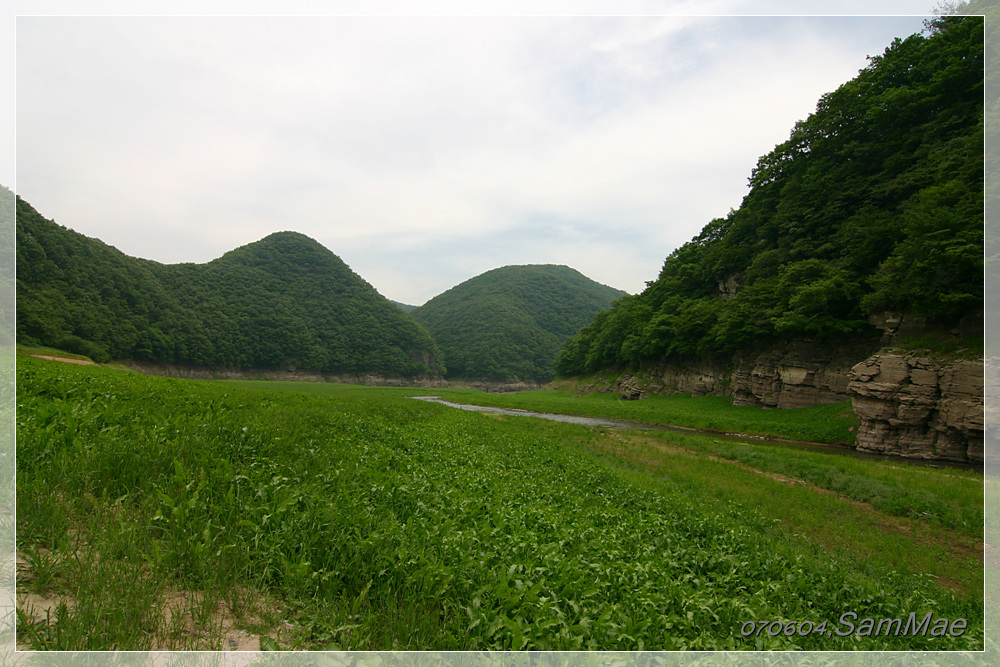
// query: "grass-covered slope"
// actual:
[[875, 203], [282, 302], [511, 321]]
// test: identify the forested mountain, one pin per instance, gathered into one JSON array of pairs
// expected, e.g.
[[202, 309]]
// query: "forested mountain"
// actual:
[[510, 322], [78, 294], [875, 203], [282, 302]]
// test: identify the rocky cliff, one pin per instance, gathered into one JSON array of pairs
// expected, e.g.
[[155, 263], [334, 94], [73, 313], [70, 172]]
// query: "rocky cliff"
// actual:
[[908, 404], [786, 375], [918, 406], [796, 374]]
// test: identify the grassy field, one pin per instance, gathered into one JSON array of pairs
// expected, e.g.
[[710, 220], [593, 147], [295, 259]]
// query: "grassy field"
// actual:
[[164, 513]]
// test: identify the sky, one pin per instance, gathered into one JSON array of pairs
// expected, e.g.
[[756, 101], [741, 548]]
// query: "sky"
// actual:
[[427, 148]]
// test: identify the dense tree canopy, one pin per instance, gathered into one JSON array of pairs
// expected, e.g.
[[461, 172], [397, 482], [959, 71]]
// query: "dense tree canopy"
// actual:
[[875, 203], [282, 302], [510, 322]]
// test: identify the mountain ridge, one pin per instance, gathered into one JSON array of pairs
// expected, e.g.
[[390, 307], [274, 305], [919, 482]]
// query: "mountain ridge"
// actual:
[[284, 301], [286, 304]]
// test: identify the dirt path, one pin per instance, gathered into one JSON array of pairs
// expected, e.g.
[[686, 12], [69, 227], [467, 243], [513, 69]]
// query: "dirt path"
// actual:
[[920, 532], [83, 362]]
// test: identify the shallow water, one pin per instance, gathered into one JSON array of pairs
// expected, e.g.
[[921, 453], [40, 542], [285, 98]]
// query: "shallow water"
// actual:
[[739, 439]]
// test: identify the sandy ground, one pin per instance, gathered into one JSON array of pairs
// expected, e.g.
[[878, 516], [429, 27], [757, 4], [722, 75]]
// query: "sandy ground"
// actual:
[[178, 610]]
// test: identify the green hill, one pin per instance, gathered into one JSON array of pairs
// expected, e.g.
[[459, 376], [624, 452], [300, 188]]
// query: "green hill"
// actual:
[[510, 322], [282, 302], [874, 204]]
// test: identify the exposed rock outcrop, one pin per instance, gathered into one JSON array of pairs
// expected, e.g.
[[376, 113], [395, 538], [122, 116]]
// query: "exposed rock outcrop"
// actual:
[[698, 379], [796, 374], [918, 406], [787, 375], [495, 386], [731, 286], [629, 389], [908, 404]]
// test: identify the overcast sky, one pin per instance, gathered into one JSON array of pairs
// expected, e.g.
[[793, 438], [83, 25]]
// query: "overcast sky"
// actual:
[[423, 150]]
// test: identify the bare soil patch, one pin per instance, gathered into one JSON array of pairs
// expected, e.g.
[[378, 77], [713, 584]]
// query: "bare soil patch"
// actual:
[[187, 620], [82, 362]]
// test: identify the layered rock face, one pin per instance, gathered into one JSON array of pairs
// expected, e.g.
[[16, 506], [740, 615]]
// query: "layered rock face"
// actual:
[[796, 375], [916, 406], [908, 404], [699, 379], [790, 375], [494, 386]]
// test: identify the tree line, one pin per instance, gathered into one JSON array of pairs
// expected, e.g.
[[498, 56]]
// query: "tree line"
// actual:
[[873, 204]]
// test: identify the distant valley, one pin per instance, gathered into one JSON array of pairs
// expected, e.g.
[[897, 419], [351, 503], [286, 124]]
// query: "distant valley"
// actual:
[[853, 270], [288, 303]]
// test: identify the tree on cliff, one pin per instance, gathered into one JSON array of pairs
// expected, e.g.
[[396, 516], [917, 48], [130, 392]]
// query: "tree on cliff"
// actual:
[[875, 202]]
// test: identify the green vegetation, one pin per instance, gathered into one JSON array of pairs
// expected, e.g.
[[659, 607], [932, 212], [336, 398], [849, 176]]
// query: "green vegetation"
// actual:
[[952, 500], [282, 302], [953, 556], [875, 203], [368, 520], [405, 307], [285, 302], [510, 322]]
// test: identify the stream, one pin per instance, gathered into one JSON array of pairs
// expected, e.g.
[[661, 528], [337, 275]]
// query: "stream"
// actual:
[[739, 439]]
